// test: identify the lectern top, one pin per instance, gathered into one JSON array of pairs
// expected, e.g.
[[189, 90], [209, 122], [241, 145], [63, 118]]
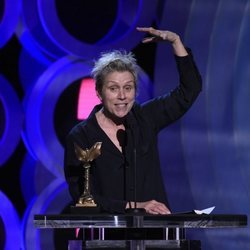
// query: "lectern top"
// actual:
[[146, 221]]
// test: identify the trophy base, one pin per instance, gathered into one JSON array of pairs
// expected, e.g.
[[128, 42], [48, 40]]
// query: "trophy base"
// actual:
[[84, 210], [86, 204]]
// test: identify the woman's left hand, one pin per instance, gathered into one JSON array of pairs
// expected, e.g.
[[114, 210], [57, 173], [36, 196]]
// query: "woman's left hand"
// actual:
[[158, 35], [164, 35]]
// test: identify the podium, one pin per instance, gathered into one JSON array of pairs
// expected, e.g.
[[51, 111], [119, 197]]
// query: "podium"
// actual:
[[136, 232]]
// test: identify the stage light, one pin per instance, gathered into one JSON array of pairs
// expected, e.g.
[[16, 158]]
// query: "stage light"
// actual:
[[87, 98]]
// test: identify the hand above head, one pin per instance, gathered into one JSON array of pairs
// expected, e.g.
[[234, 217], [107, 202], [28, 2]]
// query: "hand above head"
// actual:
[[164, 35], [158, 35]]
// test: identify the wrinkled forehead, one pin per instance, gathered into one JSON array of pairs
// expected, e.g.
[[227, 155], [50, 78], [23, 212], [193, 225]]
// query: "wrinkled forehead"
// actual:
[[119, 78]]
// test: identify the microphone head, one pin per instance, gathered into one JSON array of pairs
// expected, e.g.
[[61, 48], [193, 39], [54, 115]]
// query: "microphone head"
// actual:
[[121, 136]]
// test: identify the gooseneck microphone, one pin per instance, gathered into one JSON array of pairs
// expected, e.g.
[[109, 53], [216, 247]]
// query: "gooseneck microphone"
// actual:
[[131, 127]]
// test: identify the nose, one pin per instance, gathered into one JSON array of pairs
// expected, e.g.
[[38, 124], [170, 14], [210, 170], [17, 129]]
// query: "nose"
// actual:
[[121, 94]]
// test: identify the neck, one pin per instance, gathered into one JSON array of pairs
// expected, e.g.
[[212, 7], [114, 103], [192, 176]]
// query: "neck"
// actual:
[[111, 119]]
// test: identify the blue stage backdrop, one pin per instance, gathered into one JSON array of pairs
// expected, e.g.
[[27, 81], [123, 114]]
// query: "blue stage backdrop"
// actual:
[[46, 53]]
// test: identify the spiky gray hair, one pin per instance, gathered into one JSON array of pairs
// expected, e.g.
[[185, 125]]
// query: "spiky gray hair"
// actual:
[[116, 60]]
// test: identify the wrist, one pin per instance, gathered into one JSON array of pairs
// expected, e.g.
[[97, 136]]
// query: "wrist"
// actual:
[[179, 48]]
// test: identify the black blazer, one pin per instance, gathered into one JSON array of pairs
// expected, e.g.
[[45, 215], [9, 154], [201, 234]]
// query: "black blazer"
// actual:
[[112, 173]]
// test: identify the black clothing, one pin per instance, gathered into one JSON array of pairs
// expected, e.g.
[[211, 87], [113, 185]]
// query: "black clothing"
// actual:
[[112, 173]]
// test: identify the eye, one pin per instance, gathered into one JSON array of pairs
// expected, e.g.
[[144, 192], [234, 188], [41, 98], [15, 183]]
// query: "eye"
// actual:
[[113, 88], [128, 88]]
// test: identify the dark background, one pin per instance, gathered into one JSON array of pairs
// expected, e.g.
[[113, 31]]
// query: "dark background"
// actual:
[[205, 155]]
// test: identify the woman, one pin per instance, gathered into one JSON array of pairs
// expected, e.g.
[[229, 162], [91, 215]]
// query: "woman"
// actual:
[[128, 169]]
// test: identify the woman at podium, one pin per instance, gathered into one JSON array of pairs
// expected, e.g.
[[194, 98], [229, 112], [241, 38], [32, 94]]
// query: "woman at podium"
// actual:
[[127, 174]]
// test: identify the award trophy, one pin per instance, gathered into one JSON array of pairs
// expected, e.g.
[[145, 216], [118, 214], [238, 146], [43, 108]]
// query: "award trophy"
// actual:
[[86, 201]]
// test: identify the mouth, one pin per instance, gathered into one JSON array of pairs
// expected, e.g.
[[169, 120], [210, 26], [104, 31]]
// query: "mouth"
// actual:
[[121, 105]]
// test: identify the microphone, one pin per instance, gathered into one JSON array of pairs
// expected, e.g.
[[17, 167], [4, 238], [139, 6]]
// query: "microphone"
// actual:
[[131, 126], [122, 138]]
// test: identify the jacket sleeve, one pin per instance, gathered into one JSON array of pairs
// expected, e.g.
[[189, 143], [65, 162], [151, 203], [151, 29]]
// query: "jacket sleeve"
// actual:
[[166, 109], [72, 169]]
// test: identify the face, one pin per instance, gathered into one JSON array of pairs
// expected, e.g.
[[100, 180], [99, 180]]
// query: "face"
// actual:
[[118, 93]]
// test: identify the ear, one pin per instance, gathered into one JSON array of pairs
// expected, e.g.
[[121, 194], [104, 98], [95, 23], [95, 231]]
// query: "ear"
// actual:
[[99, 95]]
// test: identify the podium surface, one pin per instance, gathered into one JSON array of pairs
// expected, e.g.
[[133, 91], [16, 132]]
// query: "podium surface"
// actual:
[[136, 228], [150, 221]]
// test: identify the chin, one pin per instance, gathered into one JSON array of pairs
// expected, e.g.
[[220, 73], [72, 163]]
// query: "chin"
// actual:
[[121, 116]]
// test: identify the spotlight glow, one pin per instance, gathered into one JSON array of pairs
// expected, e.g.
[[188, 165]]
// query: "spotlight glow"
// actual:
[[87, 98]]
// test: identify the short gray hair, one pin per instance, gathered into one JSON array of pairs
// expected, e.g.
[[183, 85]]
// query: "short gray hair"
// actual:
[[116, 60]]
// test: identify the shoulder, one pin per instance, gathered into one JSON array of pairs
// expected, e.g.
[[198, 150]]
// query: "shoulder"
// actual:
[[142, 112], [85, 126], [77, 133], [78, 128]]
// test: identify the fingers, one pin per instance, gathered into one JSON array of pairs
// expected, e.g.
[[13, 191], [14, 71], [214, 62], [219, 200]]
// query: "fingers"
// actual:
[[149, 30], [155, 34], [149, 40], [155, 207], [158, 35]]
